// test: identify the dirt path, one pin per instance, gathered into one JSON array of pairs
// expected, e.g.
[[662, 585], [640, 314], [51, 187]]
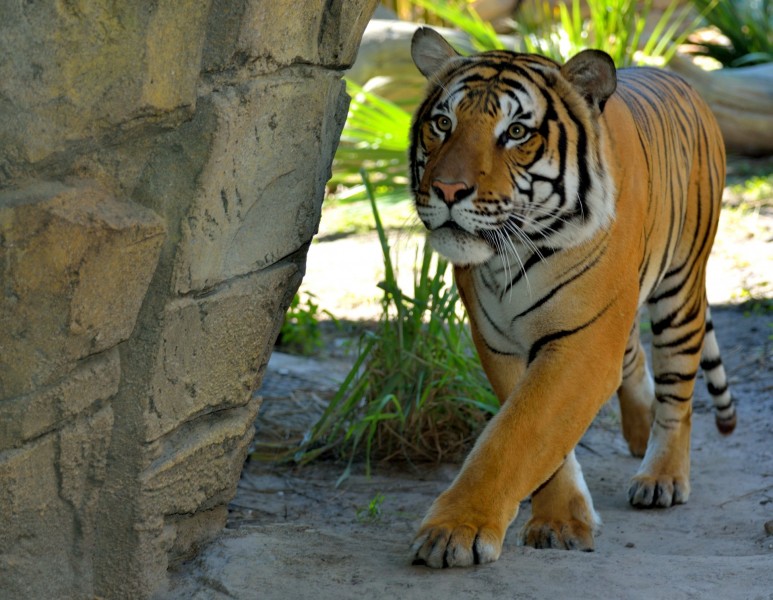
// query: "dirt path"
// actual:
[[293, 534]]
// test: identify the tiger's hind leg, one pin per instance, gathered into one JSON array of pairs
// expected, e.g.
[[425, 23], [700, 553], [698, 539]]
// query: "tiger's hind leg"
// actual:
[[678, 327], [562, 513], [636, 395]]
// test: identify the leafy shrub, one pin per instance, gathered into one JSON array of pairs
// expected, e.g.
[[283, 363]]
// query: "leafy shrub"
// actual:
[[614, 26], [416, 391], [374, 138], [748, 26], [301, 333]]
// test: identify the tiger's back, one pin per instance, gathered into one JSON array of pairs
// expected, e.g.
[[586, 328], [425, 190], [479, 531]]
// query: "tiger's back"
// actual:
[[567, 196], [683, 160]]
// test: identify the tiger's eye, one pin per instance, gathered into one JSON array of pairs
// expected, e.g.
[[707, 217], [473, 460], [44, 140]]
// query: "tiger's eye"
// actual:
[[516, 131], [443, 123]]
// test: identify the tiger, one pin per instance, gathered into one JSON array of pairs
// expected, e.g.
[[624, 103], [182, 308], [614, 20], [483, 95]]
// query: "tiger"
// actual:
[[567, 197]]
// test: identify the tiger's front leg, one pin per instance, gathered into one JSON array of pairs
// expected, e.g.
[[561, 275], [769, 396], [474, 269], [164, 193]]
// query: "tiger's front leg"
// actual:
[[521, 448]]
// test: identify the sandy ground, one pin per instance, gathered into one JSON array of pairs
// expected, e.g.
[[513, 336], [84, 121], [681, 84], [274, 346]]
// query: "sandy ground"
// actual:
[[293, 534]]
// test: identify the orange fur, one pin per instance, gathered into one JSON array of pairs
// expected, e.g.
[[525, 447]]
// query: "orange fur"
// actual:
[[554, 326]]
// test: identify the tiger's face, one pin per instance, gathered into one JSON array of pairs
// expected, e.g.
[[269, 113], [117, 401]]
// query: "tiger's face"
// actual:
[[505, 154]]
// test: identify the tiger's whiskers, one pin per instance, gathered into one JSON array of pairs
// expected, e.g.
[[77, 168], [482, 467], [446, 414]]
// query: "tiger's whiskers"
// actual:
[[505, 245]]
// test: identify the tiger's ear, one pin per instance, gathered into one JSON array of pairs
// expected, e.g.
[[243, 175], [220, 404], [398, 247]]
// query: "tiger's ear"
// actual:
[[430, 51], [593, 73]]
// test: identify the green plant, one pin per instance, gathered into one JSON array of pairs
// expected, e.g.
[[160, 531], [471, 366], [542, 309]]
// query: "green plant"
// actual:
[[747, 25], [372, 512], [416, 390], [753, 304], [560, 30], [301, 333], [614, 26], [645, 326], [340, 219], [754, 192], [374, 138], [462, 15]]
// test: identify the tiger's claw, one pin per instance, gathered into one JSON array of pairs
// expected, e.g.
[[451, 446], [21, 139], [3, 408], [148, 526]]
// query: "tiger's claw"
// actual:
[[440, 547]]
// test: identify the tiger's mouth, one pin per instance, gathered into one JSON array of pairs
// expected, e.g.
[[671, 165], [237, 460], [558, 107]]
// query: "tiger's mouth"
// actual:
[[454, 226], [460, 246], [453, 231]]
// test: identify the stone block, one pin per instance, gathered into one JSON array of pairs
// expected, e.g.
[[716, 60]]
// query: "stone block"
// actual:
[[343, 24], [26, 417], [75, 265], [260, 191], [193, 480], [48, 492], [37, 527], [200, 463], [190, 532], [73, 70], [83, 446], [324, 32], [136, 314], [212, 346]]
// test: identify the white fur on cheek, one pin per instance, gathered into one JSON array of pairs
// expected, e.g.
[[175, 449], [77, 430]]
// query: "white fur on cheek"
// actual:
[[460, 248]]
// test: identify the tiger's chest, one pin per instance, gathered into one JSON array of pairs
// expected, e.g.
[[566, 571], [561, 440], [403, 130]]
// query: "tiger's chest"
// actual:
[[507, 303], [514, 302]]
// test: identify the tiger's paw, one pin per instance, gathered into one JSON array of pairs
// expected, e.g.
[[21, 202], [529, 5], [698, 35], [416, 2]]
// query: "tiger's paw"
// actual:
[[571, 534], [660, 491], [456, 545]]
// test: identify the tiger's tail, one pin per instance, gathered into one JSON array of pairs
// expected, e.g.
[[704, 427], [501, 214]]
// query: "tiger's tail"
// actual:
[[711, 363]]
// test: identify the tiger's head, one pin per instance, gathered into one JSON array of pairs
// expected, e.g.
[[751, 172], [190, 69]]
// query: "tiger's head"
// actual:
[[507, 150]]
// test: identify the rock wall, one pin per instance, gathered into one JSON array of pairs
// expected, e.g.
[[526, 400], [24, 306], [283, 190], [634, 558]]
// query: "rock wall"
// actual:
[[162, 166]]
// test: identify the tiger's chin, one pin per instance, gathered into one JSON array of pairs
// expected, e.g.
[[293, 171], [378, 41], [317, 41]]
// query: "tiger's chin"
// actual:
[[463, 249]]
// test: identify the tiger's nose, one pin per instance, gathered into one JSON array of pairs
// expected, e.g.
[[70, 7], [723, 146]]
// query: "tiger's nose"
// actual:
[[452, 192]]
